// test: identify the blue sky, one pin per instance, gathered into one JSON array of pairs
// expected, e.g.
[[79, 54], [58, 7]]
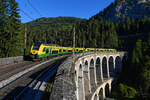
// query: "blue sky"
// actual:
[[56, 8]]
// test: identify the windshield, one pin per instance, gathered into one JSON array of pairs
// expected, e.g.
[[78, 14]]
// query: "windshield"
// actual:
[[36, 46]]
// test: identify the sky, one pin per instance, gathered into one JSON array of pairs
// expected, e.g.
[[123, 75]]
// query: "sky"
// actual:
[[33, 9]]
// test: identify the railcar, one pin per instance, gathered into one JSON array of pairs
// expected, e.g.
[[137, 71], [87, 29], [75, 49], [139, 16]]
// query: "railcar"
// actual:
[[41, 50]]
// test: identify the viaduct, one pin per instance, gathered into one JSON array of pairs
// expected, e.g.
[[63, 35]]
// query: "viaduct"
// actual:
[[95, 74]]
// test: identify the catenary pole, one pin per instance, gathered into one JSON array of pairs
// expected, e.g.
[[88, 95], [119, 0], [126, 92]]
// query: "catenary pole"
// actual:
[[73, 54], [25, 39]]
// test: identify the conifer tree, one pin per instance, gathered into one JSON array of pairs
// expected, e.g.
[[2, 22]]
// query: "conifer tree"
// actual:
[[15, 29], [10, 36], [4, 30]]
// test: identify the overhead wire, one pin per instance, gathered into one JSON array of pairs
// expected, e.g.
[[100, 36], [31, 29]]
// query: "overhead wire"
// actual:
[[26, 14], [34, 7]]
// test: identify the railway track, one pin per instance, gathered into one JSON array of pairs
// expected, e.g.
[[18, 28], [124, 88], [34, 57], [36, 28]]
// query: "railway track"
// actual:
[[27, 84], [9, 70]]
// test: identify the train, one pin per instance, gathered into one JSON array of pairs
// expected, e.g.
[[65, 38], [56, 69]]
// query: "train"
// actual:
[[40, 50]]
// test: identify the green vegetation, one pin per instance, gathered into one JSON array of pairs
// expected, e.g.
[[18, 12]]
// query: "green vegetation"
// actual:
[[136, 71], [92, 33], [52, 30], [134, 82], [97, 33], [10, 29], [124, 92]]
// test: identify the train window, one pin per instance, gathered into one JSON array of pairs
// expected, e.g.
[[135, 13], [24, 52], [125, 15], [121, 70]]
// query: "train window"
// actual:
[[54, 52], [60, 50], [44, 49], [69, 50], [81, 50], [64, 50], [47, 50], [36, 46]]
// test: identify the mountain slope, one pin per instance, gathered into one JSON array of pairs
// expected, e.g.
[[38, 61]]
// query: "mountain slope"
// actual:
[[51, 30], [58, 23], [121, 9]]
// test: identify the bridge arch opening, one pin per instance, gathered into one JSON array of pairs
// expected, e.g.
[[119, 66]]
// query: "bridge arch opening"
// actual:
[[92, 75], [95, 97], [107, 90], [111, 66], [118, 65], [113, 85], [86, 64], [98, 70], [80, 67], [80, 83], [86, 79], [75, 73], [104, 67], [101, 94]]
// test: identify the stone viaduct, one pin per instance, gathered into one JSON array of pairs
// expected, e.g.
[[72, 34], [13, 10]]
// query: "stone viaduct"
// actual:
[[95, 74]]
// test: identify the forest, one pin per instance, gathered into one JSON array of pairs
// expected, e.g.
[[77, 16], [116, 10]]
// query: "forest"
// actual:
[[11, 38], [134, 81]]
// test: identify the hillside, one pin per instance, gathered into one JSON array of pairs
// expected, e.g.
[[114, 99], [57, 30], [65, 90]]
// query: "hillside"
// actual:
[[52, 30], [131, 19], [121, 9], [58, 23]]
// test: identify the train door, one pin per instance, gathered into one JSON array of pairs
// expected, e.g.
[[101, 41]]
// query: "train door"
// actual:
[[47, 50]]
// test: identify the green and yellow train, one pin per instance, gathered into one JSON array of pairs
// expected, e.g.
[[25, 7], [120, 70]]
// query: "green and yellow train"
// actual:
[[41, 50]]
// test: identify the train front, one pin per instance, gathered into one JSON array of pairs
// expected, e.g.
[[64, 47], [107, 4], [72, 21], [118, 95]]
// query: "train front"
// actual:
[[35, 50]]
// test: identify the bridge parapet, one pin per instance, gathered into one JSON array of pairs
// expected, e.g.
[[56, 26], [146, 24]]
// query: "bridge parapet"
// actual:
[[10, 60], [94, 71]]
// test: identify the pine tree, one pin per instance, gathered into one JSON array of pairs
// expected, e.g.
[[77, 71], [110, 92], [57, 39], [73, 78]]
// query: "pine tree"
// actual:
[[10, 36], [4, 30], [137, 52], [15, 29]]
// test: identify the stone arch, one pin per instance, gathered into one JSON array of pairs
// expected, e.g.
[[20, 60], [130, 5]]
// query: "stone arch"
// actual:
[[111, 66], [86, 64], [80, 83], [80, 67], [80, 70], [98, 70], [92, 62], [101, 95], [95, 97], [113, 85], [92, 75], [118, 65], [107, 90], [75, 73], [104, 67], [86, 78]]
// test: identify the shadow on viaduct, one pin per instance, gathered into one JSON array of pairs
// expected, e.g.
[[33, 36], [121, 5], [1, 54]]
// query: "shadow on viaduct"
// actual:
[[95, 73]]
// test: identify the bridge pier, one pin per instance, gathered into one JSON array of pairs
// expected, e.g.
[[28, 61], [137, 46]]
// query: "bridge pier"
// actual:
[[89, 77], [95, 73], [101, 70], [85, 81], [108, 75]]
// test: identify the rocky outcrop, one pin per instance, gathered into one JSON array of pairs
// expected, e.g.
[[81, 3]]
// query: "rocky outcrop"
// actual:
[[127, 8]]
